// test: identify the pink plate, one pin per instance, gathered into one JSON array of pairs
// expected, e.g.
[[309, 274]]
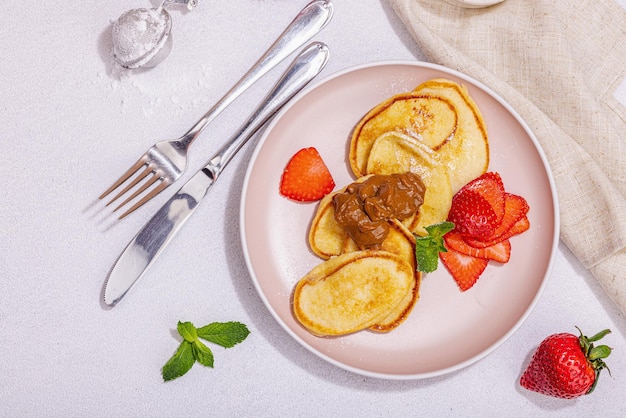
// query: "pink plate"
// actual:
[[448, 329]]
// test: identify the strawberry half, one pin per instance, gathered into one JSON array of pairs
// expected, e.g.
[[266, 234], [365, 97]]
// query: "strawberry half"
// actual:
[[465, 269], [306, 177], [472, 215], [491, 187], [478, 208]]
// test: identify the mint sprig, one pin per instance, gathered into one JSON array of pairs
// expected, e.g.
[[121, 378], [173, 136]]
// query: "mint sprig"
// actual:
[[191, 349], [428, 247]]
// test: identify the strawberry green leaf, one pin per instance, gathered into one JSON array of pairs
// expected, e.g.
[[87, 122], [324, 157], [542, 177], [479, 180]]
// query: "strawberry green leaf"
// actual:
[[601, 351], [594, 354], [597, 336], [428, 247]]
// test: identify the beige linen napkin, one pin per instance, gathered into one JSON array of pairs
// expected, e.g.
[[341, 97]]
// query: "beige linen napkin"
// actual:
[[558, 63]]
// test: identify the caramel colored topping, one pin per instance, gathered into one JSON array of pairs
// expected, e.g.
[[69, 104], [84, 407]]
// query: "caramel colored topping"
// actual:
[[365, 208]]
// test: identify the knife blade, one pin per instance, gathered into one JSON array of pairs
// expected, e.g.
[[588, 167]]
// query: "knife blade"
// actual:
[[155, 235]]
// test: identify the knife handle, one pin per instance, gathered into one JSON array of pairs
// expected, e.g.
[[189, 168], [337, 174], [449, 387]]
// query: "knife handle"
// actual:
[[308, 64]]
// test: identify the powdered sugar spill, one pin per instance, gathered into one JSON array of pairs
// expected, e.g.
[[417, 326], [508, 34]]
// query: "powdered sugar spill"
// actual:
[[186, 93]]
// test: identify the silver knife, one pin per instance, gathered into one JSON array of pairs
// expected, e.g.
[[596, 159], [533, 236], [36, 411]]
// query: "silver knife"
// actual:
[[152, 239]]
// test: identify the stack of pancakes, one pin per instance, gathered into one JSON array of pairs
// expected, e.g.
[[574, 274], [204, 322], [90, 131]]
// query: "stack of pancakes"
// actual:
[[435, 131]]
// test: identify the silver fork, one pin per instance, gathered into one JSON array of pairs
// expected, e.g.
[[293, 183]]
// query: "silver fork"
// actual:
[[166, 161]]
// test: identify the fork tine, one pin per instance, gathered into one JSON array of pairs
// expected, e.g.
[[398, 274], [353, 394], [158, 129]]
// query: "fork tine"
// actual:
[[132, 184], [124, 177], [140, 190], [153, 192]]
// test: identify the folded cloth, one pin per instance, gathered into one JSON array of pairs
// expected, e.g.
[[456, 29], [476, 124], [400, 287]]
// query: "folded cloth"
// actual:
[[558, 63]]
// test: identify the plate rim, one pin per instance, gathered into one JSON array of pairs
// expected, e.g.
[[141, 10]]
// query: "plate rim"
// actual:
[[554, 241]]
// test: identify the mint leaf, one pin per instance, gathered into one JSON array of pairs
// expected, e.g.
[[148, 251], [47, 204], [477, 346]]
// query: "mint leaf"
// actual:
[[427, 248], [180, 363], [191, 349], [187, 331], [226, 334], [202, 354]]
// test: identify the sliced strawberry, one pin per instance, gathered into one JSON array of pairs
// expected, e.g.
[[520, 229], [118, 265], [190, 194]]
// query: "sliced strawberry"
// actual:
[[515, 222], [491, 187], [465, 269], [306, 177], [500, 251], [472, 215], [515, 208], [520, 226], [485, 217]]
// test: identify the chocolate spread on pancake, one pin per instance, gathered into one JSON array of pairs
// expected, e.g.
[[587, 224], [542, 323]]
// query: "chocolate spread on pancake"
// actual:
[[364, 209]]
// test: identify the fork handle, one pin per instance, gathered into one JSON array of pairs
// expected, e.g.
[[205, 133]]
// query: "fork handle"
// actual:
[[302, 70], [311, 19]]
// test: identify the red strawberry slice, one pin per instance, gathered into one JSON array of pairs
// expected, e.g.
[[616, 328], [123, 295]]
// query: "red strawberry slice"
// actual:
[[491, 187], [520, 226], [472, 215], [465, 269], [515, 208], [500, 251], [515, 222], [306, 177]]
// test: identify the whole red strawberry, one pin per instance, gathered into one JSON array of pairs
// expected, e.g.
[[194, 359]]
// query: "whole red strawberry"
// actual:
[[566, 366]]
